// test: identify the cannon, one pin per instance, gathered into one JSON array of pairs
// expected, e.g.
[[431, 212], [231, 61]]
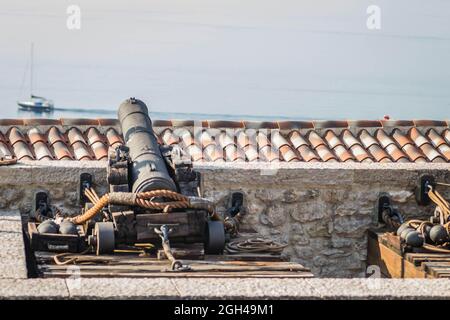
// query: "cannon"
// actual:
[[142, 166], [148, 168], [154, 194]]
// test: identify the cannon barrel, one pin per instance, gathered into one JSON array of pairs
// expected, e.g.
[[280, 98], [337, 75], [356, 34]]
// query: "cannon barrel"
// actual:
[[148, 170]]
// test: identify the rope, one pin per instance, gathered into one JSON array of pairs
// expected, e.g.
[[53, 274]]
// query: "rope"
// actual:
[[435, 249], [162, 193], [91, 196], [143, 199], [442, 211], [92, 212], [70, 260], [443, 207], [162, 205], [254, 245]]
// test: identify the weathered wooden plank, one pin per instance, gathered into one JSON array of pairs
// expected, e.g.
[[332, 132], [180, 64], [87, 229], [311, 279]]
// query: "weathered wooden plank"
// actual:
[[254, 265], [195, 267], [392, 241], [390, 262], [249, 274], [436, 269], [47, 257], [248, 257], [418, 258]]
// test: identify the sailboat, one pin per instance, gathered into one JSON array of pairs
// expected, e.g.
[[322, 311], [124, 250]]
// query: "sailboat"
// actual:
[[35, 103]]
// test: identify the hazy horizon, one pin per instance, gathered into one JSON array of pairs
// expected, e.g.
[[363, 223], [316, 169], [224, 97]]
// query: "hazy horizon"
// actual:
[[299, 59]]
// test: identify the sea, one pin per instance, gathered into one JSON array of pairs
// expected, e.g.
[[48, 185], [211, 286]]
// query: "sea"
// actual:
[[227, 59]]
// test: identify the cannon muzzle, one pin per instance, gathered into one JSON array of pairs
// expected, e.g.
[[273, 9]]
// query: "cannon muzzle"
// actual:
[[148, 170]]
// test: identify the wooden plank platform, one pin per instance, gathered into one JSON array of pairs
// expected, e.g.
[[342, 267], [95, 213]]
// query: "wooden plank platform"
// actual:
[[133, 266], [120, 264], [386, 251]]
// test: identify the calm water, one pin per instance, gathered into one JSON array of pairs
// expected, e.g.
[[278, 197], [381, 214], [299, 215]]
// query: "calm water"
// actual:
[[105, 113], [253, 59]]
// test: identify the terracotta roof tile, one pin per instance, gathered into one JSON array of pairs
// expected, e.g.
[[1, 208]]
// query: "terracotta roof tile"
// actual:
[[41, 122], [355, 147], [366, 123], [289, 141], [183, 123], [108, 122], [397, 123], [349, 139], [97, 143], [446, 135], [225, 140], [430, 123], [315, 140], [291, 125], [439, 143], [246, 140], [413, 153], [160, 123], [379, 154], [332, 139], [4, 147], [287, 152], [435, 138], [308, 154], [212, 151], [330, 124], [303, 147], [114, 139], [225, 124], [169, 138], [186, 137], [195, 152], [431, 153], [297, 139], [39, 142], [19, 144], [11, 122], [78, 144], [408, 146], [233, 153], [4, 151], [57, 142], [338, 147], [79, 122], [417, 137], [260, 125]]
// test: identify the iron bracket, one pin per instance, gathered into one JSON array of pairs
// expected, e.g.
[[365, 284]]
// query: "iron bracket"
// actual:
[[85, 182], [422, 188]]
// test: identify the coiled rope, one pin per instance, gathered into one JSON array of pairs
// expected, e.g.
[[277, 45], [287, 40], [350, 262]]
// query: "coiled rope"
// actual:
[[254, 245], [443, 207], [442, 212]]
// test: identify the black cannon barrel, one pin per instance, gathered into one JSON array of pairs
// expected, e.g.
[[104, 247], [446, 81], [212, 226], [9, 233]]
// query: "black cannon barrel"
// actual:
[[148, 171]]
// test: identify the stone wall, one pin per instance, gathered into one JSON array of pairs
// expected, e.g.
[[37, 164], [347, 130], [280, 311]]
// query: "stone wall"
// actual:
[[60, 179], [322, 211]]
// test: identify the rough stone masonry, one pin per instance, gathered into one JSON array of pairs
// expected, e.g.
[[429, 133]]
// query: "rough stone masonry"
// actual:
[[321, 210]]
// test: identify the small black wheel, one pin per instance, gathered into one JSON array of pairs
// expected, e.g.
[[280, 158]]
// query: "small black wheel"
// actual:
[[215, 237], [105, 239]]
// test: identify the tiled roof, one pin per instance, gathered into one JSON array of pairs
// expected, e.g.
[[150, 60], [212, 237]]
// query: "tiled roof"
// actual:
[[290, 141]]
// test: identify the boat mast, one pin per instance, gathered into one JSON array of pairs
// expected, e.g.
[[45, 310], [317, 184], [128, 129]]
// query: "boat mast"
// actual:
[[31, 69]]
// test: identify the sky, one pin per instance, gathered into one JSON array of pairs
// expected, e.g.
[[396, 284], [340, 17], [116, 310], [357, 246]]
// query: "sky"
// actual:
[[299, 59]]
